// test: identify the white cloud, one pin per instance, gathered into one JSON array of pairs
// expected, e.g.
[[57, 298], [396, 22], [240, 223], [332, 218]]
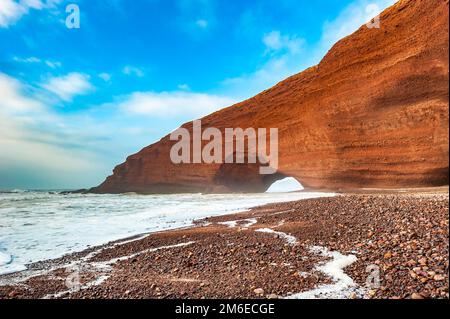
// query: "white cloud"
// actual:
[[132, 70], [12, 100], [36, 141], [11, 11], [173, 104], [105, 76], [35, 4], [275, 41], [46, 149], [68, 86]]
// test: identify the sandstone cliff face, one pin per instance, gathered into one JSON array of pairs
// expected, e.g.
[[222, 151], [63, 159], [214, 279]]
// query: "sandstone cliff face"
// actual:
[[373, 113]]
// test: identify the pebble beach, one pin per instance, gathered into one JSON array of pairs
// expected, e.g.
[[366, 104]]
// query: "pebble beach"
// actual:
[[366, 245]]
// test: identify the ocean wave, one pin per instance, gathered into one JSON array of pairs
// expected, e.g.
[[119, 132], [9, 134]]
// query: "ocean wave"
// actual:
[[5, 259], [40, 226], [13, 191]]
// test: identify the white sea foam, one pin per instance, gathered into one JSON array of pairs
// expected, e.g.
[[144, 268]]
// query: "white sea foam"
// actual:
[[342, 286], [6, 265], [115, 260], [104, 268], [249, 222], [289, 238], [36, 226], [230, 223], [244, 223], [5, 259]]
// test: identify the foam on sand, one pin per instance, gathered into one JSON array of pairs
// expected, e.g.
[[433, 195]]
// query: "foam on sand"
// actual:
[[103, 269], [37, 226], [289, 238], [245, 223], [342, 287]]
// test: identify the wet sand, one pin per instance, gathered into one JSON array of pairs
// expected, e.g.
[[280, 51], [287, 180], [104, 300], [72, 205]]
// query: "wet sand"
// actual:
[[368, 244]]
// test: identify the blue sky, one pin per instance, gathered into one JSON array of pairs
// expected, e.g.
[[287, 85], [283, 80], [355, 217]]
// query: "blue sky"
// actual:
[[75, 102]]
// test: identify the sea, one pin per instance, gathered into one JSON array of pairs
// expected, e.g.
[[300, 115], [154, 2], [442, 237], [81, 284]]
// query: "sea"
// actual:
[[42, 225]]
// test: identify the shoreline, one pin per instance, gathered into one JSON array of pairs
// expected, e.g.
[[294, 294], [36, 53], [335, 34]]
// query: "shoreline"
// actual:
[[310, 248], [148, 214]]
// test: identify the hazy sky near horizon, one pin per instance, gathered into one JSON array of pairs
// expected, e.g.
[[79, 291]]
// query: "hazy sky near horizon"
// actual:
[[75, 102]]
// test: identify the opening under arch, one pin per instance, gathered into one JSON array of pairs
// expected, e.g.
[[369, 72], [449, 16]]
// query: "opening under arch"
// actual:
[[285, 185]]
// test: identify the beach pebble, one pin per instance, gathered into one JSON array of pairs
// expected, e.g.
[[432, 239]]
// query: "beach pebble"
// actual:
[[259, 291], [438, 278], [417, 296]]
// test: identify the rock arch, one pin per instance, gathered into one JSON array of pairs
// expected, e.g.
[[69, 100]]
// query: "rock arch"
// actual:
[[390, 130]]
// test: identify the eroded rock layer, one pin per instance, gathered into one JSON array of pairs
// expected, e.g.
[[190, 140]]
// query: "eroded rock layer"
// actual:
[[373, 113]]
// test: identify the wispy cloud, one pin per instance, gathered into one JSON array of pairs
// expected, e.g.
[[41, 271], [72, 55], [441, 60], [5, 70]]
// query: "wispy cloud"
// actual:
[[105, 76], [68, 86], [11, 11], [13, 99], [173, 104], [196, 16], [276, 42], [33, 59], [53, 64], [284, 52], [132, 70]]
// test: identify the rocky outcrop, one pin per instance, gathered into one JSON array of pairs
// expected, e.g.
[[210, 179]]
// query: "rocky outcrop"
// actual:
[[373, 113]]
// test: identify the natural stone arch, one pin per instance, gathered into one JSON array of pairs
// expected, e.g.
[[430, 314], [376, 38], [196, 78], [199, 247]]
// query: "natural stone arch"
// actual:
[[332, 134], [244, 177]]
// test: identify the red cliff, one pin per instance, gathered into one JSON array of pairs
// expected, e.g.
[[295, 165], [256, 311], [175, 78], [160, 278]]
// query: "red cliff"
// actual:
[[373, 113]]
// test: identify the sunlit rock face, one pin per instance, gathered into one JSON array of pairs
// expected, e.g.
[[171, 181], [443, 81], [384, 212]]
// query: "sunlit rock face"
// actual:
[[373, 113]]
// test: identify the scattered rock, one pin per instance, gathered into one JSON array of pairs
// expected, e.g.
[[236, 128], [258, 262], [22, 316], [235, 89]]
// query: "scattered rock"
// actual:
[[259, 291], [417, 296]]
